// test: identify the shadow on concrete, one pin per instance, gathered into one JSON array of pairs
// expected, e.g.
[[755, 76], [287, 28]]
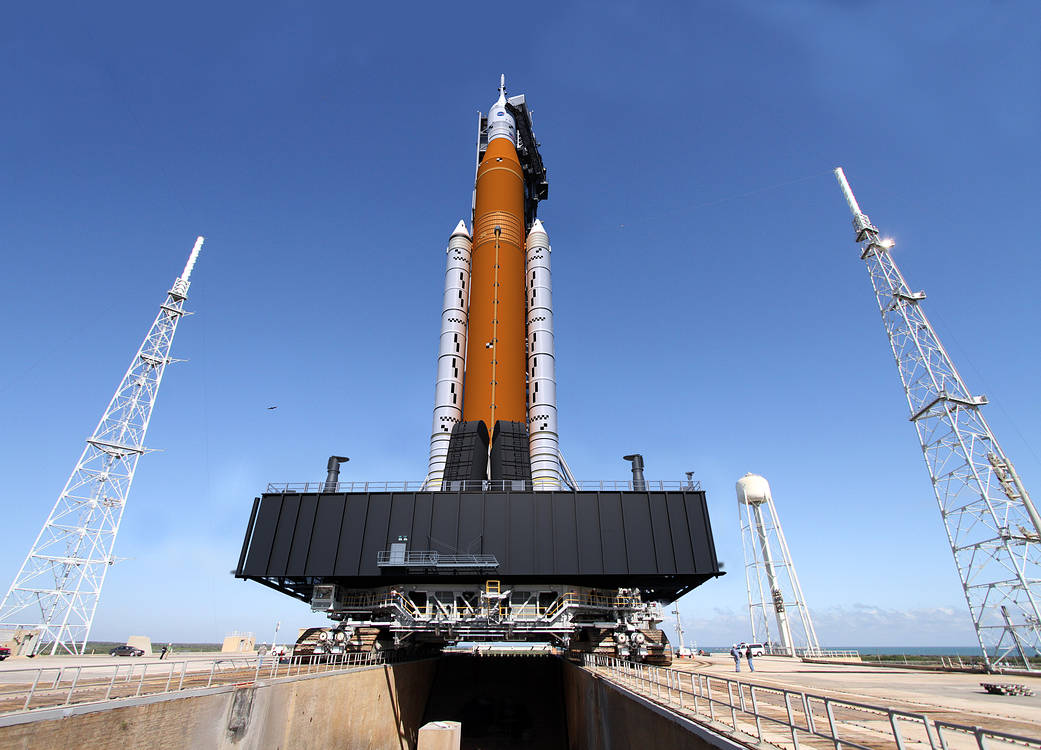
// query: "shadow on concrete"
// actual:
[[503, 702], [392, 692]]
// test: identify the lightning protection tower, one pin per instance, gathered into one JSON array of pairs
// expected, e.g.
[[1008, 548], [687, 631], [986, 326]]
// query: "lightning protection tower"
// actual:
[[773, 585], [992, 526], [57, 589]]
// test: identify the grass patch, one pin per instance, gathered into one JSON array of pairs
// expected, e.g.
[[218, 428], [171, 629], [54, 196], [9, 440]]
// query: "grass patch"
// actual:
[[103, 647]]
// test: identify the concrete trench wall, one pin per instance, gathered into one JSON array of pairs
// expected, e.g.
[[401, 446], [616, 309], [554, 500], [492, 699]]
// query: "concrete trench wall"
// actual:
[[603, 717], [379, 707]]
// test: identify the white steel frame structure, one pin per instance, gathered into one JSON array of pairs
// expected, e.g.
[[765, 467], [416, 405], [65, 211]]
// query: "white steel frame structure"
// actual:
[[770, 577], [992, 526], [57, 589]]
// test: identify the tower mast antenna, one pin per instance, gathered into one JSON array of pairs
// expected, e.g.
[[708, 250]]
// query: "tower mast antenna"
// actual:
[[992, 526], [56, 591]]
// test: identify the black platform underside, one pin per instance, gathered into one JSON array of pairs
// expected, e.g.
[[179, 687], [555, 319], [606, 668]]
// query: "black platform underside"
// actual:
[[659, 542]]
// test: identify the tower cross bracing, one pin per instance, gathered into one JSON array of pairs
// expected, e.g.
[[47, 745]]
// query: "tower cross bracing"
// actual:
[[57, 589], [774, 592], [993, 528]]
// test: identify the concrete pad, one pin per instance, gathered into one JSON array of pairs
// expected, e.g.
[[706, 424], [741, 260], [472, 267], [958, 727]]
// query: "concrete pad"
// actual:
[[949, 696]]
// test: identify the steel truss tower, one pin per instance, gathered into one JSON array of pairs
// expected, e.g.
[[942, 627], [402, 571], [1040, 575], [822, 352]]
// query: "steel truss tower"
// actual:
[[770, 577], [992, 525], [56, 591]]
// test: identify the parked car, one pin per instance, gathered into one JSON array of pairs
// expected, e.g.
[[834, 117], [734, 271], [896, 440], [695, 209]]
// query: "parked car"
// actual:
[[4, 652], [126, 651], [757, 648]]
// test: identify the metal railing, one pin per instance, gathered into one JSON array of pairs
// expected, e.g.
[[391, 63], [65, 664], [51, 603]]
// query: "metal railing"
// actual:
[[827, 653], [774, 649], [592, 485], [44, 687], [433, 559], [378, 600], [790, 718], [593, 601]]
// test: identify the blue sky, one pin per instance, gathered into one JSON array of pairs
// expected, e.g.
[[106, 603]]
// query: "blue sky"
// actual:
[[711, 308]]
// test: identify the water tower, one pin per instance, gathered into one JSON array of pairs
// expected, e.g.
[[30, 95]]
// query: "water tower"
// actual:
[[770, 573]]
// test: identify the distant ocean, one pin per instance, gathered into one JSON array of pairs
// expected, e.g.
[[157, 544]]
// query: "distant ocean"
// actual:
[[913, 650]]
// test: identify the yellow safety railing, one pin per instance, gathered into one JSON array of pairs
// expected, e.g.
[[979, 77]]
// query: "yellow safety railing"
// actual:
[[599, 601], [381, 600]]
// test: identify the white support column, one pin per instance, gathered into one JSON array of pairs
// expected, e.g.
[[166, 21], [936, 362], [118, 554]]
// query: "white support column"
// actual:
[[448, 392], [542, 383]]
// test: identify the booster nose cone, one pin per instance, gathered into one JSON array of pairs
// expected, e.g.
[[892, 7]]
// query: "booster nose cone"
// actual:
[[461, 230], [500, 122]]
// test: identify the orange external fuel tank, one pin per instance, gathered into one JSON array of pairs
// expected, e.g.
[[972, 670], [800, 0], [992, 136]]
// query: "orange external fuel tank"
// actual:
[[495, 386]]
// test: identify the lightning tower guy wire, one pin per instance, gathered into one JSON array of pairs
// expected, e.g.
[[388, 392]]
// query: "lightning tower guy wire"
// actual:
[[57, 589], [992, 526]]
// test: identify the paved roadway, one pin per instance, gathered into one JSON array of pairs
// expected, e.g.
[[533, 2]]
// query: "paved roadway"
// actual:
[[948, 696]]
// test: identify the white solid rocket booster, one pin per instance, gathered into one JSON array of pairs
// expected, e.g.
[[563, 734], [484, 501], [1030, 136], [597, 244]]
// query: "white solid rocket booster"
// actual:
[[542, 384], [448, 392]]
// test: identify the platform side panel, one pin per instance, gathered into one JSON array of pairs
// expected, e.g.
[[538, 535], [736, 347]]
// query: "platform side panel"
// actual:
[[259, 557], [709, 541], [328, 523], [377, 529], [471, 538], [544, 563], [587, 526], [679, 527], [402, 512], [552, 534], [523, 532], [495, 521], [444, 524], [297, 565], [352, 532], [613, 532], [638, 550], [697, 517], [664, 555], [420, 538], [566, 547], [284, 535]]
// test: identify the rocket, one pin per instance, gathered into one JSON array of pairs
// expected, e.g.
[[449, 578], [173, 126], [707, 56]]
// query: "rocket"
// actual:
[[495, 396], [494, 387]]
